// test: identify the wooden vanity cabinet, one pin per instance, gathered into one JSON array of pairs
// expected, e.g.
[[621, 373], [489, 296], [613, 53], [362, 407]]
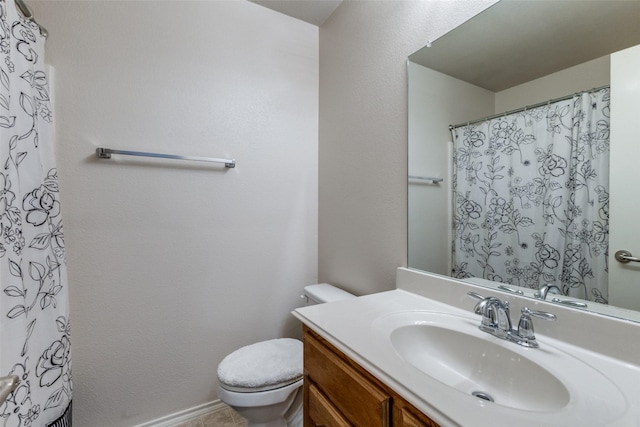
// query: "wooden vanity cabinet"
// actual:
[[406, 415], [339, 393]]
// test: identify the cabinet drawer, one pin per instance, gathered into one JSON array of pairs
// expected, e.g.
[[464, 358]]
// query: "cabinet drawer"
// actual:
[[322, 413], [360, 401]]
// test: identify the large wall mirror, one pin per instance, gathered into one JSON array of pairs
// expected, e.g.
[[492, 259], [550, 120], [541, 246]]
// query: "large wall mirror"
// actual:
[[513, 58]]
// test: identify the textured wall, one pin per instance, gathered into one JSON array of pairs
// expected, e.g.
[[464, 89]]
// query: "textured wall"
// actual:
[[363, 134], [173, 265], [575, 79], [435, 102]]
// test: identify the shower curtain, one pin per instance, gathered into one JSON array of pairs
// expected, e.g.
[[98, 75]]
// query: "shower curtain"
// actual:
[[531, 197], [34, 312]]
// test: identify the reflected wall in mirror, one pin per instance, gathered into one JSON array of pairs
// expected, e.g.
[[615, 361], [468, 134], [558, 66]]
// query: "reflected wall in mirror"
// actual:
[[513, 55]]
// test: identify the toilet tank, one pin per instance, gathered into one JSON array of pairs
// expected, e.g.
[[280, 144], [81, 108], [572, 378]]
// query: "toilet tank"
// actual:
[[324, 292]]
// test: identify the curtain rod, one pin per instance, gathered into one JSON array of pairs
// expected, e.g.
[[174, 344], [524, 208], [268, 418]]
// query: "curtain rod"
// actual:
[[529, 107], [27, 14]]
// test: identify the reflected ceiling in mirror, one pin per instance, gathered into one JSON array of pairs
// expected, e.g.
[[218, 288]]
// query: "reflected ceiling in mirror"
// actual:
[[515, 41]]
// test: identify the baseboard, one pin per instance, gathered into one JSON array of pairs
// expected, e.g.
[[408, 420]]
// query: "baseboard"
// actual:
[[182, 416]]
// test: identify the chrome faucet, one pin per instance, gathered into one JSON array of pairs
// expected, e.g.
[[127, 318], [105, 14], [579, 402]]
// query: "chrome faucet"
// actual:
[[497, 321], [549, 288], [495, 316]]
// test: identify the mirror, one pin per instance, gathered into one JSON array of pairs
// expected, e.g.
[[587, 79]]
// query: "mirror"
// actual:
[[516, 53]]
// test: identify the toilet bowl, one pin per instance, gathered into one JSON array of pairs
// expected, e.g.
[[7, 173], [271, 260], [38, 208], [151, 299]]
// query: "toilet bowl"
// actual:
[[263, 381], [271, 408]]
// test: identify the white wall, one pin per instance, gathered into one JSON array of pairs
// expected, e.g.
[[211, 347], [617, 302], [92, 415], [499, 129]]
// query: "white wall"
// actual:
[[173, 265], [435, 102], [586, 76], [364, 47]]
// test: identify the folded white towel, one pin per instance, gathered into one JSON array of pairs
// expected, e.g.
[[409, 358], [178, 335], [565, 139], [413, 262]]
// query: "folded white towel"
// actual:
[[262, 364]]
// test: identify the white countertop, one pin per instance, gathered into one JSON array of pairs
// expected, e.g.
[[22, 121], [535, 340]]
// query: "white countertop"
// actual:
[[354, 327]]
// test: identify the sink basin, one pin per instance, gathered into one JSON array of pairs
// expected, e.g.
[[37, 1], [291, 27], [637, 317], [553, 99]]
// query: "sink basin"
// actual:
[[479, 367], [451, 350]]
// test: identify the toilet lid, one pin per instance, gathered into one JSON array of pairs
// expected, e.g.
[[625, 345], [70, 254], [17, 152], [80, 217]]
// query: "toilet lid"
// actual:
[[262, 364]]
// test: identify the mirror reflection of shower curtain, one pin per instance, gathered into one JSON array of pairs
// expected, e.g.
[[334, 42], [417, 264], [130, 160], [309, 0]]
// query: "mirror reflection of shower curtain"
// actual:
[[531, 197], [34, 309]]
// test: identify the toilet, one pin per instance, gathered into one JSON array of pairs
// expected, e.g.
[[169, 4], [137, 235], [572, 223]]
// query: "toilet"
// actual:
[[263, 381]]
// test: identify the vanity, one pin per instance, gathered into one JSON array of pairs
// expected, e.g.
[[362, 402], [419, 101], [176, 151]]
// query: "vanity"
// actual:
[[339, 392], [416, 356]]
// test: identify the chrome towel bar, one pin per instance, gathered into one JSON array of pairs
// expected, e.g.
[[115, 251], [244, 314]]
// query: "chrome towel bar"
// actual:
[[433, 179], [625, 257], [105, 153]]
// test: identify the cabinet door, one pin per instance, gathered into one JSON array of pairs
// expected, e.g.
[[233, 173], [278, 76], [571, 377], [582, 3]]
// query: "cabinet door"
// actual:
[[406, 418], [360, 401], [321, 412]]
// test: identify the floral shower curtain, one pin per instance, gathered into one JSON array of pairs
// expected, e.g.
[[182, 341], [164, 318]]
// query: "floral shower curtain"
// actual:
[[34, 312], [531, 197]]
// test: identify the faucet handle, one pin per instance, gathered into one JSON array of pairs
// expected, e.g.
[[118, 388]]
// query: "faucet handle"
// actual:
[[475, 295], [478, 309], [483, 307], [526, 335], [483, 301], [539, 314]]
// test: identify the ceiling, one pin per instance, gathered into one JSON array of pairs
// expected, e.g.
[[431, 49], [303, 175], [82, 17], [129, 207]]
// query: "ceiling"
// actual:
[[502, 46], [542, 28], [312, 11]]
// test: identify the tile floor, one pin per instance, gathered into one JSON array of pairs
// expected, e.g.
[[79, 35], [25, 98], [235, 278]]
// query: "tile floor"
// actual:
[[225, 417]]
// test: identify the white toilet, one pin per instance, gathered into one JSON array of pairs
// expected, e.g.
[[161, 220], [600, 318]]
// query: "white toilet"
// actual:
[[263, 381]]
